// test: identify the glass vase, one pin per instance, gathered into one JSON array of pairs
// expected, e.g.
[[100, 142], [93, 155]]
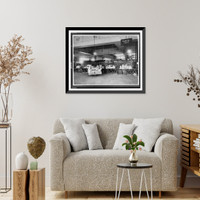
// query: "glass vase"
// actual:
[[6, 107]]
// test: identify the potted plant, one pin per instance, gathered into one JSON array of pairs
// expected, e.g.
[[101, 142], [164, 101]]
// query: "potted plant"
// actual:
[[14, 57], [133, 144]]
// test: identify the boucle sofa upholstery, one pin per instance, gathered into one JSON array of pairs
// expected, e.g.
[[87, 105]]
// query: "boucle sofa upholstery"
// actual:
[[95, 170]]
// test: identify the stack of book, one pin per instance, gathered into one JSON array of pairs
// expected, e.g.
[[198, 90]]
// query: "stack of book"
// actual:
[[196, 143]]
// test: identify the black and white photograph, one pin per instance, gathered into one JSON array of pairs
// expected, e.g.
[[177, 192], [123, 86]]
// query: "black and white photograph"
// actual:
[[105, 60]]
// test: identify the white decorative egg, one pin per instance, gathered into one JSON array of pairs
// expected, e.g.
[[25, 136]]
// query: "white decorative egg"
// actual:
[[21, 161]]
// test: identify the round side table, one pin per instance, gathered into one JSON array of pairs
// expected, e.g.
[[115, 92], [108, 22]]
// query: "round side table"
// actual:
[[127, 166]]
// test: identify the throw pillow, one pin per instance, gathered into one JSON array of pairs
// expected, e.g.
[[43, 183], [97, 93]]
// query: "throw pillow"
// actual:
[[148, 130], [75, 134], [124, 129], [92, 136]]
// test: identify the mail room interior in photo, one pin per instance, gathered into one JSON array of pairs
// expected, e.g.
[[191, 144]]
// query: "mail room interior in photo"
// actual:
[[105, 59]]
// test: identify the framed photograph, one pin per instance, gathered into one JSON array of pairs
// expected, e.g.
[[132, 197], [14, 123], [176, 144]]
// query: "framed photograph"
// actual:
[[100, 60]]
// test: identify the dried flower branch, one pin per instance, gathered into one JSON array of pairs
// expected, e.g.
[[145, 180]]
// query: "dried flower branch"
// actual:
[[14, 57], [192, 80]]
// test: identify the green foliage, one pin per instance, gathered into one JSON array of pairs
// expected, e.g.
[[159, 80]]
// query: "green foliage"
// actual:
[[127, 147], [128, 138], [132, 142], [134, 138]]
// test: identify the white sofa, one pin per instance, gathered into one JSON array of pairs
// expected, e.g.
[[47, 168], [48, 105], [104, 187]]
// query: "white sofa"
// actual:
[[95, 170]]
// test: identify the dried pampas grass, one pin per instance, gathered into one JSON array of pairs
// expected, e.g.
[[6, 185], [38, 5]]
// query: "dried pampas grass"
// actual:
[[14, 57]]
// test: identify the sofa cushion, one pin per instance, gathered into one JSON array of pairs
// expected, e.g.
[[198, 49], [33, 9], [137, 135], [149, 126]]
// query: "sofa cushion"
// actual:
[[124, 129], [108, 128], [97, 170], [92, 136], [148, 130], [75, 134]]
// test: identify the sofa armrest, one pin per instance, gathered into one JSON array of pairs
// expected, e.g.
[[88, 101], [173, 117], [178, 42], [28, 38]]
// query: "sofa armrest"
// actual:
[[166, 149], [59, 149]]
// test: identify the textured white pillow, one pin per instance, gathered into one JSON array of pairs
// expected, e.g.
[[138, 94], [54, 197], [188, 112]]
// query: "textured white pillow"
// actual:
[[75, 134], [124, 129], [92, 136], [148, 130]]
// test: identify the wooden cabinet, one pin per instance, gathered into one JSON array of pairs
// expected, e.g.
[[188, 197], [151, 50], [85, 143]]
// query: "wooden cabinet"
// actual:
[[190, 157]]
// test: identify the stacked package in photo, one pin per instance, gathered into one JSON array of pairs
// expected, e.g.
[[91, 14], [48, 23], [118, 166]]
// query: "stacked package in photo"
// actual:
[[196, 143]]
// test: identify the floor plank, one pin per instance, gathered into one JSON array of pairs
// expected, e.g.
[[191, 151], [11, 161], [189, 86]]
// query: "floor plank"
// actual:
[[181, 193]]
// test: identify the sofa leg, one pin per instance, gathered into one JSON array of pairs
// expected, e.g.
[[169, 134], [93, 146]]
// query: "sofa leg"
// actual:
[[66, 194], [160, 194]]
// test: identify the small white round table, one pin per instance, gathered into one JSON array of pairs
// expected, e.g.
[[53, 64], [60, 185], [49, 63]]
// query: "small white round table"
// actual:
[[128, 166]]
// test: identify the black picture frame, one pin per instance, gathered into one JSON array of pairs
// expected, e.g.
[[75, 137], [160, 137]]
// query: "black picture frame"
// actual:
[[105, 60]]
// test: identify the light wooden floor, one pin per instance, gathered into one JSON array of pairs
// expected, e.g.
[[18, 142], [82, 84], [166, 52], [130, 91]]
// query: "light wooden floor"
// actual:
[[182, 193]]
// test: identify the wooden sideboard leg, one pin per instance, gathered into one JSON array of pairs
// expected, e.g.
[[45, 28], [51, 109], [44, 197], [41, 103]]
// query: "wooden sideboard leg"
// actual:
[[66, 194], [183, 176], [160, 194]]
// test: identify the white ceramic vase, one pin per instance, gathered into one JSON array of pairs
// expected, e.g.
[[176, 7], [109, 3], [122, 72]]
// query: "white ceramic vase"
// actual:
[[21, 161]]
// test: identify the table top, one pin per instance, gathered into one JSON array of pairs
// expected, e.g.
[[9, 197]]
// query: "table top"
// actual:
[[5, 125], [192, 127], [21, 170], [136, 166]]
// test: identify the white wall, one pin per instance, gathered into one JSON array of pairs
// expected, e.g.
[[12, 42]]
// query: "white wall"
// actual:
[[172, 43]]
